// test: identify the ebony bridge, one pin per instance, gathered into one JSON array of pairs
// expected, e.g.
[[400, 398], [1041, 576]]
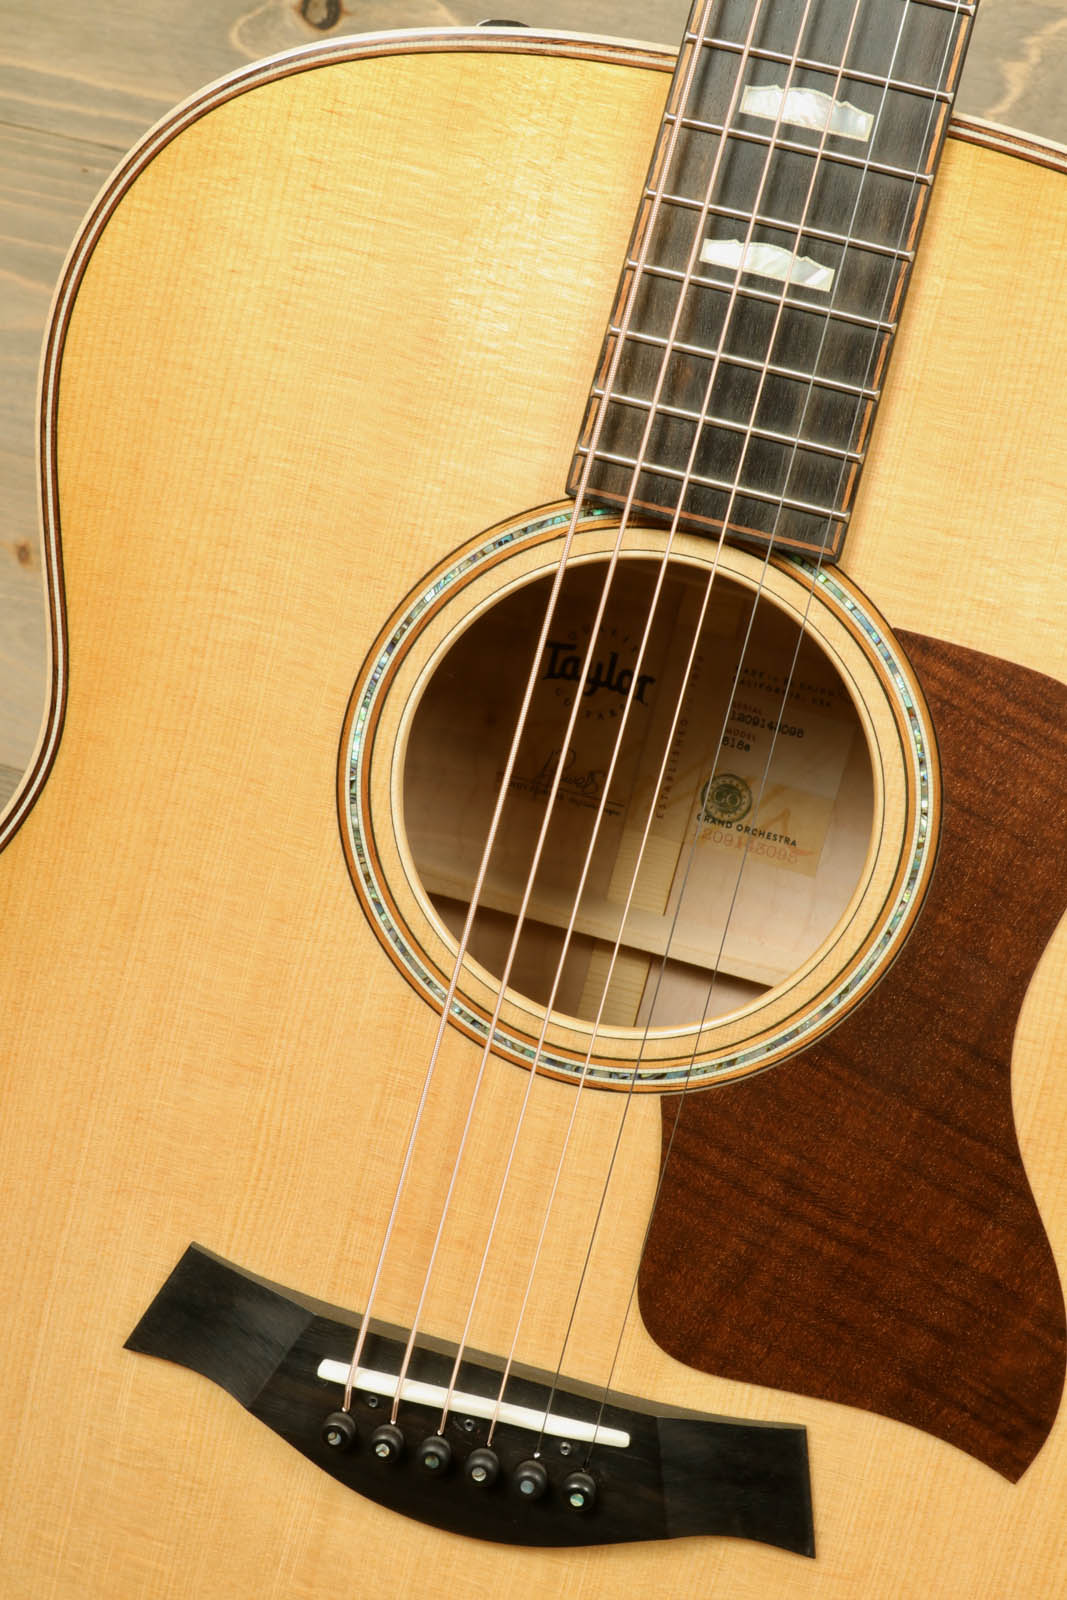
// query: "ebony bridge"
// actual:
[[564, 1468]]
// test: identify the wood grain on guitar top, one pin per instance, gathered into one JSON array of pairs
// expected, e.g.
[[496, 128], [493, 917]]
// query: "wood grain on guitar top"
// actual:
[[78, 85], [201, 1037]]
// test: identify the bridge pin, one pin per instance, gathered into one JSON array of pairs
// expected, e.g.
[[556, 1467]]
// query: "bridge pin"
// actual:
[[387, 1442], [434, 1454], [339, 1431], [483, 1467], [531, 1480]]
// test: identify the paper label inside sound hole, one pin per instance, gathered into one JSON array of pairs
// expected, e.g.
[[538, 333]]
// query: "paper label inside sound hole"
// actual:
[[778, 831], [773, 793]]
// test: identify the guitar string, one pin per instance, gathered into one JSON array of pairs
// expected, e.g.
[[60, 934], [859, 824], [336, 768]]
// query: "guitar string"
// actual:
[[550, 803], [737, 678], [655, 790], [908, 225], [799, 636], [600, 415], [594, 634], [459, 1356]]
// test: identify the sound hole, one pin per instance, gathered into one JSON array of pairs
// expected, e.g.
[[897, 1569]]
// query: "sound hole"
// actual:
[[759, 789]]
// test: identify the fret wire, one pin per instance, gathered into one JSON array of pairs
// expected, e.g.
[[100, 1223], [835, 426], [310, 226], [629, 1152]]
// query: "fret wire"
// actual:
[[730, 425], [635, 267], [796, 231], [918, 182], [685, 874], [807, 65], [737, 295], [958, 35], [704, 12], [957, 40], [849, 241], [853, 317], [738, 490], [751, 364], [835, 157], [791, 303]]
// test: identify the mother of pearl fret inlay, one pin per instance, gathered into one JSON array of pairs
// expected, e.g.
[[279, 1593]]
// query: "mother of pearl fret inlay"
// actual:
[[769, 261], [807, 108]]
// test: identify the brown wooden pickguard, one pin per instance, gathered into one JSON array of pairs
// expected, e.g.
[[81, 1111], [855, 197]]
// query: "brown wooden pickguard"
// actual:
[[857, 1225]]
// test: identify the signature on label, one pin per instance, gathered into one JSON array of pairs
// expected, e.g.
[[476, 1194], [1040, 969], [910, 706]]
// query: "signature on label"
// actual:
[[577, 787]]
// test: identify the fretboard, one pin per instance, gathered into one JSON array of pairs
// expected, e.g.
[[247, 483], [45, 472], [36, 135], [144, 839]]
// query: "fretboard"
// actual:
[[772, 249]]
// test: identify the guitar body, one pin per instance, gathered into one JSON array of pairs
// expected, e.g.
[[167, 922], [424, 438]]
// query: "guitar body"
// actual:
[[335, 321]]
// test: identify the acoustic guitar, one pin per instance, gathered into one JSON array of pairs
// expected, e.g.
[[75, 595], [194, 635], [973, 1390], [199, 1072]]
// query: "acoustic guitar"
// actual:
[[533, 1023]]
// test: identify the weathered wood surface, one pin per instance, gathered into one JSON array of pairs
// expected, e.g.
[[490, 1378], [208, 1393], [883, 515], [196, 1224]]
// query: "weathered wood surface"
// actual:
[[80, 84]]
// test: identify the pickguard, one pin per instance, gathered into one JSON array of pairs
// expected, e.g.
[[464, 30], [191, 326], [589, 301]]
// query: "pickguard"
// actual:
[[857, 1225]]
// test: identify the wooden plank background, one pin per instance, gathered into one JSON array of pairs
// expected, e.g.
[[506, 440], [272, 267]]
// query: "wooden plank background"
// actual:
[[80, 83]]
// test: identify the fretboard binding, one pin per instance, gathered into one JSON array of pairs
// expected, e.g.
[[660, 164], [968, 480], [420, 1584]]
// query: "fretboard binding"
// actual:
[[737, 214], [837, 157], [730, 426], [751, 364], [853, 317], [805, 64], [741, 490]]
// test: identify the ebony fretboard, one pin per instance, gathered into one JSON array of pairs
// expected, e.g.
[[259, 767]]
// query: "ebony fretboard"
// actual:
[[769, 260]]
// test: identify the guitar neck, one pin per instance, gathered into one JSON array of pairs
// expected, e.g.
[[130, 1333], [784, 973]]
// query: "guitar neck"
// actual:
[[759, 298]]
